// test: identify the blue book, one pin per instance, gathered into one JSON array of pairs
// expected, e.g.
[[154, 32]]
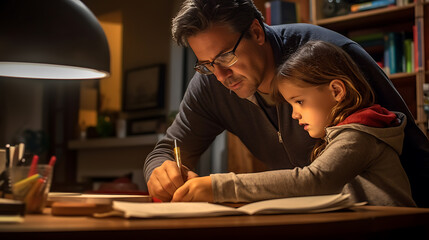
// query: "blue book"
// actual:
[[395, 48], [371, 5], [283, 12]]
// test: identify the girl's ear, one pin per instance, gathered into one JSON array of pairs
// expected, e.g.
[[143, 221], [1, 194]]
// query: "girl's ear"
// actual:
[[338, 89]]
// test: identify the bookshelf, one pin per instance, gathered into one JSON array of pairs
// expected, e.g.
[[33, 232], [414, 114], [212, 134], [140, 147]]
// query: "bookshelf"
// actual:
[[386, 19], [393, 18], [409, 85]]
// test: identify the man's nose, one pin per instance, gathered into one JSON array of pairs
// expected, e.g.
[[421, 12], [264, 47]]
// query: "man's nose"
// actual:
[[222, 73]]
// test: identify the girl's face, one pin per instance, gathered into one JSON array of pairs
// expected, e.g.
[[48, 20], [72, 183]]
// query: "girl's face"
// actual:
[[311, 105]]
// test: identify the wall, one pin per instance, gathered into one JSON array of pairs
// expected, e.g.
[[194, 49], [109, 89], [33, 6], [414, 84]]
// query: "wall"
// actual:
[[139, 34], [21, 108], [145, 39], [111, 87]]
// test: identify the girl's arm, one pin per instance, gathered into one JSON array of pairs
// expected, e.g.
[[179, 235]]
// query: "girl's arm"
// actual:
[[344, 158]]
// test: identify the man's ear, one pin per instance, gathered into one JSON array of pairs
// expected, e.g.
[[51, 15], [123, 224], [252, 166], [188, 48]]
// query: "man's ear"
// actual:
[[257, 32], [338, 89]]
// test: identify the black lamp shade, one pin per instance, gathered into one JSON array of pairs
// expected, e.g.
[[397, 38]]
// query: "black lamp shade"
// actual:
[[51, 39]]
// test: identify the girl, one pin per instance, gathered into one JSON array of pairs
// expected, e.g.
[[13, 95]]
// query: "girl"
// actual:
[[360, 142], [359, 146]]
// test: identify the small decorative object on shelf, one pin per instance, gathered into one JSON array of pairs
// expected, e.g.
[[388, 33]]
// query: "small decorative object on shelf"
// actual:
[[333, 8], [105, 125]]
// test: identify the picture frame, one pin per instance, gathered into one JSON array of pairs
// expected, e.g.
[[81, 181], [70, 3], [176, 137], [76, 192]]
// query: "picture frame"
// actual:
[[144, 88], [145, 125]]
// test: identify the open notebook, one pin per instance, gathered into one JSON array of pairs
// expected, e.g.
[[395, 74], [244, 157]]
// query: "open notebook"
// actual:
[[310, 204]]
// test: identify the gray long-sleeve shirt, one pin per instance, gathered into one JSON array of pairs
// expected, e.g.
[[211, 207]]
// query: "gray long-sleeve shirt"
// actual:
[[208, 108], [360, 160]]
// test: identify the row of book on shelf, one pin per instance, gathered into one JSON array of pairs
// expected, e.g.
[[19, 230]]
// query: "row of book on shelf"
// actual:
[[369, 5], [395, 52], [283, 11]]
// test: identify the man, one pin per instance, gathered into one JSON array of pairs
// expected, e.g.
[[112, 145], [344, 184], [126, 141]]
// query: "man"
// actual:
[[237, 59]]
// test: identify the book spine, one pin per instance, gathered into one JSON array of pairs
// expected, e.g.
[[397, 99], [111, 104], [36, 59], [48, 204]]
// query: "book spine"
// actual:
[[392, 53], [408, 43], [399, 44], [282, 12], [275, 12], [412, 57], [267, 13], [419, 45], [371, 5], [386, 54], [397, 54], [297, 12], [415, 49]]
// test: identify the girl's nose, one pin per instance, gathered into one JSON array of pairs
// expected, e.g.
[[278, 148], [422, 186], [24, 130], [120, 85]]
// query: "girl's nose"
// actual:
[[296, 115]]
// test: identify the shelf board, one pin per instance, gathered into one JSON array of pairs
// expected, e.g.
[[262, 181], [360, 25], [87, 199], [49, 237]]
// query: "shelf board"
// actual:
[[131, 141], [387, 15], [402, 75]]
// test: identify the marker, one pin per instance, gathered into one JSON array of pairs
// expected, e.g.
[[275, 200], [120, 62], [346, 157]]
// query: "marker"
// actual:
[[33, 167]]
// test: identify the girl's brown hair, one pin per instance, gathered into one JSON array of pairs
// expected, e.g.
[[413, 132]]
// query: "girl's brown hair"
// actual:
[[318, 63]]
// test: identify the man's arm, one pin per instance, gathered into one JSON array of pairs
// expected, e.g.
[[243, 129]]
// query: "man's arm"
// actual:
[[195, 128]]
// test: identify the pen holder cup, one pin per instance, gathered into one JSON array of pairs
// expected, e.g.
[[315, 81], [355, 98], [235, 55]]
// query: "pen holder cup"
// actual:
[[31, 186]]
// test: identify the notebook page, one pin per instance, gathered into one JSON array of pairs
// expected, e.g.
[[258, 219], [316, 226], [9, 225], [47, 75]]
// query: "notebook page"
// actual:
[[297, 204]]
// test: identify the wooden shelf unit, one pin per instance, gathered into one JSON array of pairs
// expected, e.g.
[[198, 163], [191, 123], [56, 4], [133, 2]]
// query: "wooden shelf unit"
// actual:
[[112, 142], [391, 18], [379, 17]]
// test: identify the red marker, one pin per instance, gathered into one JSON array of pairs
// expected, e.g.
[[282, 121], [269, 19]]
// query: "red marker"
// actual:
[[33, 167]]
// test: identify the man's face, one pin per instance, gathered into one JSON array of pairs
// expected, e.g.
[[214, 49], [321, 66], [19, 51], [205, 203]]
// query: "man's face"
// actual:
[[246, 74]]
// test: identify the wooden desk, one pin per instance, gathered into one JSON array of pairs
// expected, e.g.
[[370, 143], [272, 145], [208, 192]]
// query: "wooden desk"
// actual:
[[358, 223]]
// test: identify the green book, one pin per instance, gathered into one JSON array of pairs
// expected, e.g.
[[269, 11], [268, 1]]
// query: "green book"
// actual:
[[408, 52]]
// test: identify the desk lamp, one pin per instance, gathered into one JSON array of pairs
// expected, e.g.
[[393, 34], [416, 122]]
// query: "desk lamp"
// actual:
[[51, 39]]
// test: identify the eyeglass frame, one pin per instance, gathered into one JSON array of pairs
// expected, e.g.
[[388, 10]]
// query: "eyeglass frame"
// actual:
[[198, 66]]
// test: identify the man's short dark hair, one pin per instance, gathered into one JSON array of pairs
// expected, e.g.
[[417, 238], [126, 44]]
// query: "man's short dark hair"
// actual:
[[198, 15]]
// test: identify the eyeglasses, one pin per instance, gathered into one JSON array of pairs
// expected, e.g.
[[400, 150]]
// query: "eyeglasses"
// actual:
[[225, 60]]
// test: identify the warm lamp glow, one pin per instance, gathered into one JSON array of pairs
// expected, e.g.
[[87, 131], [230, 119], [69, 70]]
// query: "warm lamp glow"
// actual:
[[48, 71]]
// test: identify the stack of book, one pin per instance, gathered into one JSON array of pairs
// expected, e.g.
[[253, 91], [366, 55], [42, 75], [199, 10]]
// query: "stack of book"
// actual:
[[80, 204], [394, 51]]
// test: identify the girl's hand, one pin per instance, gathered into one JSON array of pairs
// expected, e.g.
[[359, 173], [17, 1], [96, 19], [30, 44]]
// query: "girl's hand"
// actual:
[[197, 189]]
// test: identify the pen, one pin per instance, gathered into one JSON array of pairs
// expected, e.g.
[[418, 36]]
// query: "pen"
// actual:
[[7, 155], [21, 159], [177, 156]]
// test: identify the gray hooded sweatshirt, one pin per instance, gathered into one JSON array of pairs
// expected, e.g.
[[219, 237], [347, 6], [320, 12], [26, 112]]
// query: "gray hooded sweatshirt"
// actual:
[[358, 159]]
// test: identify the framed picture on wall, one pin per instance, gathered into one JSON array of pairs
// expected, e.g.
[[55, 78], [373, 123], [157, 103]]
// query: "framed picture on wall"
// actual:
[[144, 88], [145, 125]]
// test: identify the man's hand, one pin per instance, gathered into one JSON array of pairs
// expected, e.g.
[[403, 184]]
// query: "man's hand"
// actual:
[[195, 190], [166, 179]]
